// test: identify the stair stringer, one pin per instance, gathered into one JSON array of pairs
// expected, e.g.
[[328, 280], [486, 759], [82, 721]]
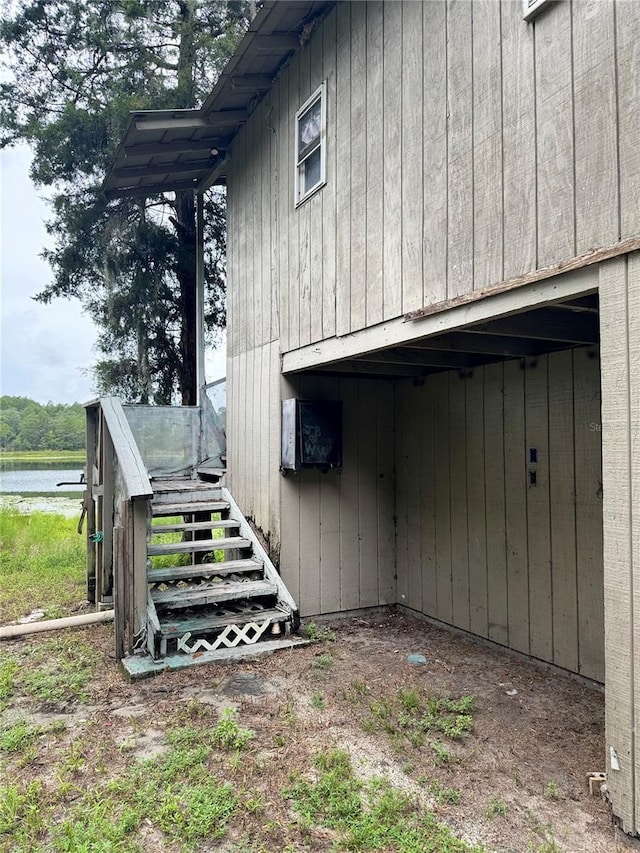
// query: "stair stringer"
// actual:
[[285, 599]]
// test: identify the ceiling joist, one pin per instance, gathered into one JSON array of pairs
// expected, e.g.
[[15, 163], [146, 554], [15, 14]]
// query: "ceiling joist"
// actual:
[[181, 146], [160, 169], [219, 119]]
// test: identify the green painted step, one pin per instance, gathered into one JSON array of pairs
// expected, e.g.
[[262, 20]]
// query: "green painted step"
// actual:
[[187, 507], [197, 545], [204, 624], [212, 593], [193, 525], [175, 573]]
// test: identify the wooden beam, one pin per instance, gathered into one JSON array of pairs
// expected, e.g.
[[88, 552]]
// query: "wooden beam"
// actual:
[[158, 169], [274, 43], [181, 146], [217, 119], [478, 344], [151, 189], [593, 256], [545, 324], [355, 367], [250, 82], [214, 176], [398, 332], [418, 358]]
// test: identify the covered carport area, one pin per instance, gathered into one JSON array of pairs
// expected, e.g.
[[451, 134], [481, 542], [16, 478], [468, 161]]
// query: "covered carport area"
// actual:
[[516, 463]]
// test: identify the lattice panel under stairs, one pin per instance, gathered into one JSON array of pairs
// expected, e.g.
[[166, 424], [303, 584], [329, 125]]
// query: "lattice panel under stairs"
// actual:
[[222, 592]]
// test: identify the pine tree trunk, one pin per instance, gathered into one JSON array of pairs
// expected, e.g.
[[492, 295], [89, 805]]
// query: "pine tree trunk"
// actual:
[[186, 274]]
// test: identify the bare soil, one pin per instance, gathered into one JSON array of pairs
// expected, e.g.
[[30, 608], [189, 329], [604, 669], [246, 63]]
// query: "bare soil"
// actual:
[[521, 772]]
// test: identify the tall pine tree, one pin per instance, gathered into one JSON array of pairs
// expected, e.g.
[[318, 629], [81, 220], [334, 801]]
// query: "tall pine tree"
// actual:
[[76, 69]]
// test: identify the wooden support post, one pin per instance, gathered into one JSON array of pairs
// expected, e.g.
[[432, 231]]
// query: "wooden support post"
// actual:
[[619, 297], [91, 413], [200, 298], [118, 590], [138, 557]]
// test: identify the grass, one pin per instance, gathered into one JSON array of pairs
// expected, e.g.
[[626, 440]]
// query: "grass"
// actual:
[[42, 564], [496, 808], [54, 670], [367, 816], [43, 456]]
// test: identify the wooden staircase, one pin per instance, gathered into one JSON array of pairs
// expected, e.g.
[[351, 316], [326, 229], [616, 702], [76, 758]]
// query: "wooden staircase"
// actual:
[[213, 593]]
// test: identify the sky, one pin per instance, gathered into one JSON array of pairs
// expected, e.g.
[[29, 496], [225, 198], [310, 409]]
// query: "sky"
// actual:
[[46, 351]]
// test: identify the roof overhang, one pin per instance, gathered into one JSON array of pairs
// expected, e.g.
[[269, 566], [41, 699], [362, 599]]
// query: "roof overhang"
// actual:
[[172, 150]]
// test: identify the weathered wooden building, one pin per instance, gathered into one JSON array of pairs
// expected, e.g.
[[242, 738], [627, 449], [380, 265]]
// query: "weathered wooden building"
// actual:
[[434, 218]]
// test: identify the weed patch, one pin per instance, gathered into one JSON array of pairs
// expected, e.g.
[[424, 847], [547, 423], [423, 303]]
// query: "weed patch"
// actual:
[[371, 816]]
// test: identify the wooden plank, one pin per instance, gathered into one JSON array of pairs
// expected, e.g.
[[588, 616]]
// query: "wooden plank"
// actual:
[[628, 71], [138, 558], [290, 517], [358, 170], [392, 162], [494, 477], [385, 419], [118, 591], [515, 490], [303, 215], [368, 494], [487, 145], [442, 485], [412, 156], [402, 412], [309, 488], [295, 102], [329, 191], [562, 485], [375, 162], [343, 167], [285, 203], [476, 504], [329, 522], [428, 500], [460, 148], [256, 215], [349, 575], [538, 522], [130, 461], [91, 426], [519, 143], [588, 498], [458, 491], [595, 118], [617, 521], [434, 131], [271, 189], [554, 128], [633, 287], [414, 430], [275, 477], [595, 256]]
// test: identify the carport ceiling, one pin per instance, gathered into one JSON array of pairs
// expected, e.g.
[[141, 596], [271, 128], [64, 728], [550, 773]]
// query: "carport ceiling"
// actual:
[[524, 335]]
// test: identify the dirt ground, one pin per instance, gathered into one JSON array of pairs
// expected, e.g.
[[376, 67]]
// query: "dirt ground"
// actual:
[[521, 771]]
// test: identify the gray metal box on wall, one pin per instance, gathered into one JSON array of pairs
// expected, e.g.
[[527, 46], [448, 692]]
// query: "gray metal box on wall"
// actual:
[[311, 435]]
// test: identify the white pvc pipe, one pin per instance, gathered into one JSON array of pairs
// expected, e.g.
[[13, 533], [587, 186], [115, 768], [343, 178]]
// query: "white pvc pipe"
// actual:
[[9, 631]]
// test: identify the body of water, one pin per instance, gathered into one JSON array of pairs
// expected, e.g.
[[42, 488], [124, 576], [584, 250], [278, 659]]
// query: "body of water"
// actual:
[[28, 478]]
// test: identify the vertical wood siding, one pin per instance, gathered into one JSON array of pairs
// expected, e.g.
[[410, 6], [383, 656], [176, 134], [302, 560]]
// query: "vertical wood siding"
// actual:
[[253, 424], [337, 531], [464, 146], [517, 563], [620, 341]]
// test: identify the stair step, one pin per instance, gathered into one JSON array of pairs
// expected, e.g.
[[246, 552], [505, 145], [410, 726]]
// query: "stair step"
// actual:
[[212, 593], [197, 545], [194, 525], [176, 573], [216, 621], [187, 507]]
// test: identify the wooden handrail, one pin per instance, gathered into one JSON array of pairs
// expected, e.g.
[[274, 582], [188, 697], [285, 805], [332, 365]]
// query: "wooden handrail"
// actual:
[[130, 462]]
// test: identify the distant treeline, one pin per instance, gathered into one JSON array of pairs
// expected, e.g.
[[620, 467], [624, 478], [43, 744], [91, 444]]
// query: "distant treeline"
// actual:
[[27, 425]]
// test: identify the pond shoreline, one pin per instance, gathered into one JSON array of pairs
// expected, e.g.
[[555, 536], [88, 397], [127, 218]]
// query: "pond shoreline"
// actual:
[[67, 506]]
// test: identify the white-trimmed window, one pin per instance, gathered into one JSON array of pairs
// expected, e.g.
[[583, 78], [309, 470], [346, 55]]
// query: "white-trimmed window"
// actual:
[[311, 122]]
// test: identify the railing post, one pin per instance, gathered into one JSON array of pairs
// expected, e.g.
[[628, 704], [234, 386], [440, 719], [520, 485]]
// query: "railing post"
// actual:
[[139, 560], [91, 414]]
